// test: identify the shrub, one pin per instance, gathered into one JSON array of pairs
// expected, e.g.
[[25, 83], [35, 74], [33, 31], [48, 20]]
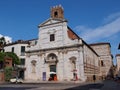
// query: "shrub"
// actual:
[[8, 73]]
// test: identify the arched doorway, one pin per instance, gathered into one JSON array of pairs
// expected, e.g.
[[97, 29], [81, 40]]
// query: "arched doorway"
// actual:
[[52, 61]]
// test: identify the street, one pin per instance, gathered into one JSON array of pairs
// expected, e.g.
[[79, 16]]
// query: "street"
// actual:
[[104, 85], [37, 86]]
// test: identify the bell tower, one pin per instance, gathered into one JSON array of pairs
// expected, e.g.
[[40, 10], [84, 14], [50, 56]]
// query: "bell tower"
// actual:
[[57, 12]]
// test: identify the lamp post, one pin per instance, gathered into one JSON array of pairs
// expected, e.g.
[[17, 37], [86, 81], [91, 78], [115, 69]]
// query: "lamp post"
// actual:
[[119, 46]]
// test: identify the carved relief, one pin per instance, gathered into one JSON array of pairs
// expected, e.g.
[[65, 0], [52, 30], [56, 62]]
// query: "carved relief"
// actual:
[[64, 51]]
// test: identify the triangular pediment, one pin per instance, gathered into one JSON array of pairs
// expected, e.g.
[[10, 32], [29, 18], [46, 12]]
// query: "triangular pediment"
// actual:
[[51, 21]]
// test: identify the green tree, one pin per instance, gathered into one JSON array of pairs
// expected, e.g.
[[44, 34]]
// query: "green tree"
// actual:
[[2, 55], [8, 73], [8, 70], [7, 54], [15, 58], [2, 43]]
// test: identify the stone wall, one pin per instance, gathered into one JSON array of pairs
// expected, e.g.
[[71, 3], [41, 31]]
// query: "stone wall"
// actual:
[[104, 51], [91, 64], [118, 64]]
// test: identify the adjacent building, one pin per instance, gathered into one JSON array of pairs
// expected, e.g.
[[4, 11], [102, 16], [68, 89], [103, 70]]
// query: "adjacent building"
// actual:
[[18, 47], [118, 64], [105, 58]]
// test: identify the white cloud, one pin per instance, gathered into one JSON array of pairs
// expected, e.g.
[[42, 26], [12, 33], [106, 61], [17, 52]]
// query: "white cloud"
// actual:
[[111, 17], [7, 38], [1, 35], [104, 31]]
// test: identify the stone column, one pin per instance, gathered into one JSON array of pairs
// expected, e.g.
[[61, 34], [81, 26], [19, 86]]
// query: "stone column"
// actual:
[[64, 53], [27, 66], [60, 66], [80, 64]]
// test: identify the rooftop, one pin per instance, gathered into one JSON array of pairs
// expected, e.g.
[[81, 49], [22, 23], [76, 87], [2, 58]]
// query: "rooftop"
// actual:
[[101, 43]]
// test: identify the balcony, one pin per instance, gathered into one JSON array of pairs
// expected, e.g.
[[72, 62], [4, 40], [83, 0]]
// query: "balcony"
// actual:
[[21, 66], [22, 53]]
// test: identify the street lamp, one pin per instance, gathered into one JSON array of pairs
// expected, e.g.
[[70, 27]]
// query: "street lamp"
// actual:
[[119, 46]]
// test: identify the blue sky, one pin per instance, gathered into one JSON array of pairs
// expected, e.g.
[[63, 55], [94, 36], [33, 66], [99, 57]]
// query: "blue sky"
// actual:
[[93, 20]]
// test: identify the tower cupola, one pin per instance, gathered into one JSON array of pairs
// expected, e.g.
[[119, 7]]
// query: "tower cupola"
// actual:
[[57, 12]]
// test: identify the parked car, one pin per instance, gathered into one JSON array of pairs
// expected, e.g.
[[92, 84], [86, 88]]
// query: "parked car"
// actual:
[[16, 80], [117, 78]]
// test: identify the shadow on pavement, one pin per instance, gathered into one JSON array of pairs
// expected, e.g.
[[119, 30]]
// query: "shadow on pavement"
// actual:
[[16, 88], [87, 87]]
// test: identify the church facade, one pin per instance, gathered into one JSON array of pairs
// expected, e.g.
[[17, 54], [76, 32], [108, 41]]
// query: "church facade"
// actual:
[[60, 54]]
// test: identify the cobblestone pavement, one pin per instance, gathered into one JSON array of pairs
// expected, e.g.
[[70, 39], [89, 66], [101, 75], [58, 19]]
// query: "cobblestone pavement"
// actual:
[[103, 85]]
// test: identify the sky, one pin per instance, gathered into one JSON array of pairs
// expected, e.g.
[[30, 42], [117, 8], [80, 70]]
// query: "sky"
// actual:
[[93, 20]]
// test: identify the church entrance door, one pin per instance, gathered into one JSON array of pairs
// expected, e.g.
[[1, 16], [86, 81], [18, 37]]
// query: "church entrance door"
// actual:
[[52, 68], [53, 75]]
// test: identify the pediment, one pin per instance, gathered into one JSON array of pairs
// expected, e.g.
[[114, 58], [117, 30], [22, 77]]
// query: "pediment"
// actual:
[[51, 21]]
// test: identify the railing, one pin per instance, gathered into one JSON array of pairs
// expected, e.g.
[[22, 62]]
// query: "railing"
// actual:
[[20, 66], [22, 53]]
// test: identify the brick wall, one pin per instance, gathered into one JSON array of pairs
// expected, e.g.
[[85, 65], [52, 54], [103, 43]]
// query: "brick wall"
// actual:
[[1, 76], [8, 62]]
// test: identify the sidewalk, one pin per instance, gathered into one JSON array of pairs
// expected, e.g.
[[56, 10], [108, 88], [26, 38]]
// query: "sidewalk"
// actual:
[[1, 82], [77, 82]]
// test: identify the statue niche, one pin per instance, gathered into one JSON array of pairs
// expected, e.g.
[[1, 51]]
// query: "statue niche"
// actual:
[[33, 63]]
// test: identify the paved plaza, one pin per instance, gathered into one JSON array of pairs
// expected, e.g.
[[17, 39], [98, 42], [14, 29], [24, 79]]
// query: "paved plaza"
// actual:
[[102, 85]]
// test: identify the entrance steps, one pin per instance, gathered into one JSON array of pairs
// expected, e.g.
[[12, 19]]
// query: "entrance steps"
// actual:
[[38, 81]]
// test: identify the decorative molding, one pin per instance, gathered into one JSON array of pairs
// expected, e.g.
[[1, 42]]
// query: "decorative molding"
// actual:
[[76, 46]]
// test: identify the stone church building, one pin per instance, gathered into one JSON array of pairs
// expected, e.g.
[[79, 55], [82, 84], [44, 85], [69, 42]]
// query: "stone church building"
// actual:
[[60, 54]]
